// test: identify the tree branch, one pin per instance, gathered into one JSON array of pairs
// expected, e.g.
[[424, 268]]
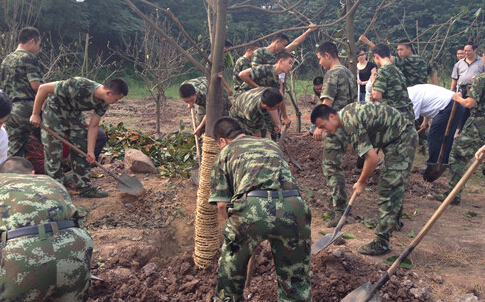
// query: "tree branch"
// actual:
[[268, 11]]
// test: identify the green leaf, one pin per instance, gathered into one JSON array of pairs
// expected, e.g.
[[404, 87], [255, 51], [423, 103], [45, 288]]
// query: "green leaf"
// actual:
[[323, 233], [471, 214], [348, 236], [405, 264], [411, 234], [464, 9], [407, 216], [326, 216], [308, 193]]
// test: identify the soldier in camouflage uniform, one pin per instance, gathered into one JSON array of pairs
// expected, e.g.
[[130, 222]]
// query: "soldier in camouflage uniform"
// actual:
[[63, 113], [20, 77], [339, 89], [194, 92], [250, 108], [472, 136], [241, 64], [46, 255], [267, 76], [369, 126], [252, 185]]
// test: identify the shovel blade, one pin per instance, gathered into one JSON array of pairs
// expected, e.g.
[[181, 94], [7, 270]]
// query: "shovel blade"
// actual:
[[434, 171], [129, 184], [361, 294], [324, 242]]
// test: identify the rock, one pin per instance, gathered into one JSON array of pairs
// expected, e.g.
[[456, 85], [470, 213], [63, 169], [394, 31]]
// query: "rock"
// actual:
[[422, 294], [189, 286], [470, 298], [138, 162], [120, 273], [337, 253], [437, 279], [150, 267], [408, 283]]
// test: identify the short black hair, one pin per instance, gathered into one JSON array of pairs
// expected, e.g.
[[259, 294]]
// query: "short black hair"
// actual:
[[459, 48], [227, 43], [322, 111], [28, 33], [271, 97], [361, 49], [406, 43], [473, 45], [382, 50], [280, 37], [283, 55], [317, 81], [253, 46], [226, 127], [328, 47], [17, 164], [5, 105], [117, 86], [186, 90]]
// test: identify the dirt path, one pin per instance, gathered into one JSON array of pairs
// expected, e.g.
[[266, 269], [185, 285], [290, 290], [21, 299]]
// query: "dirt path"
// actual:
[[143, 245]]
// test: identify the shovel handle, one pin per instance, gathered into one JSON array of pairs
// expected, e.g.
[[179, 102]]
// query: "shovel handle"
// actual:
[[192, 113], [341, 222], [426, 228], [447, 132], [53, 133]]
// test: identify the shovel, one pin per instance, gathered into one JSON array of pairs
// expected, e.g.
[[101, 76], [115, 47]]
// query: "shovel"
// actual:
[[195, 173], [283, 145], [434, 170], [367, 291], [330, 238], [125, 183]]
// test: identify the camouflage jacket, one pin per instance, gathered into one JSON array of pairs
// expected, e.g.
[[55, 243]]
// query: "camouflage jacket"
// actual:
[[201, 86], [75, 95], [263, 56], [372, 125], [477, 92], [242, 63], [392, 83], [246, 164], [263, 75], [415, 69], [18, 69], [28, 200], [248, 112], [340, 86]]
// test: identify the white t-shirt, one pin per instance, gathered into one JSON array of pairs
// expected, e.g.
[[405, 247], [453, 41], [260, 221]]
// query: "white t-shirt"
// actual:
[[3, 145], [429, 99], [368, 91]]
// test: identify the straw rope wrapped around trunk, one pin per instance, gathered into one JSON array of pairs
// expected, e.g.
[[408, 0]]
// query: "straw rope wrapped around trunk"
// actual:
[[206, 224]]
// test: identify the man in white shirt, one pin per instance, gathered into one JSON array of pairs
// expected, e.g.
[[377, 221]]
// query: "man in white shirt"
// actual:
[[5, 109], [435, 102]]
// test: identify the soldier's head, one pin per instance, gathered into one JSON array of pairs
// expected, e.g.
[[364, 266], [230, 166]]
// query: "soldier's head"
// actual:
[[5, 108], [285, 61], [271, 99], [405, 48], [250, 50], [116, 89], [470, 51], [227, 44], [188, 94], [18, 165], [29, 39], [327, 53], [226, 129], [460, 53], [317, 86], [280, 42], [381, 52], [325, 118]]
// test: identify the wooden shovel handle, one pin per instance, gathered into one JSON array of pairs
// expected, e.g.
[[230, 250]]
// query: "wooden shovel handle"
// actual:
[[192, 113], [447, 132]]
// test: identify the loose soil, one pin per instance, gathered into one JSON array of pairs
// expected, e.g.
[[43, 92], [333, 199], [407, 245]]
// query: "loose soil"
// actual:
[[144, 245]]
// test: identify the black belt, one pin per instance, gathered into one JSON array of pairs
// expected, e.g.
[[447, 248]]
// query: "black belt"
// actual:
[[34, 230], [273, 194]]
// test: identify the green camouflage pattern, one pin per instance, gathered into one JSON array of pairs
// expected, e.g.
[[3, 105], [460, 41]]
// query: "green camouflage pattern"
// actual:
[[242, 63], [472, 136], [49, 266], [247, 111], [392, 83], [415, 69], [247, 164], [17, 70], [340, 86], [201, 87], [375, 125], [63, 114], [263, 56]]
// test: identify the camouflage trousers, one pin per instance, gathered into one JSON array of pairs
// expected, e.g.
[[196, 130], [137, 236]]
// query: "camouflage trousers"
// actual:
[[393, 179], [464, 147], [285, 223], [334, 148], [75, 128], [19, 128], [47, 267]]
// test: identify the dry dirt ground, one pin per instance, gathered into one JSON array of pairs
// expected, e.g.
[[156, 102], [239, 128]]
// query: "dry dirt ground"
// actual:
[[143, 245]]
